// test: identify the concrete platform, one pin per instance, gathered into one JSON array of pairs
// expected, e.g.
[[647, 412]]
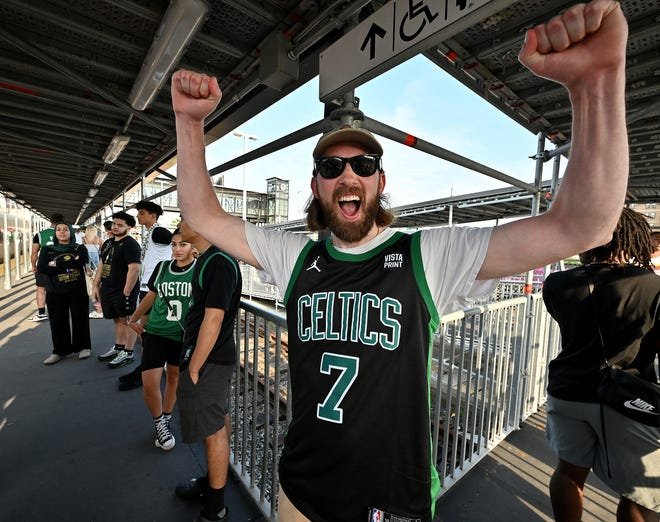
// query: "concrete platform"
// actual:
[[73, 448]]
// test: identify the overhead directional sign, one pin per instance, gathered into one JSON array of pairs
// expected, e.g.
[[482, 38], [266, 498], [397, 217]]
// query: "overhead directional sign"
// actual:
[[394, 33]]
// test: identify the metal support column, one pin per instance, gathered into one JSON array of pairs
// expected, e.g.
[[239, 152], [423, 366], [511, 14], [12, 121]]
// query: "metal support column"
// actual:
[[528, 346], [539, 158], [17, 244], [5, 244], [27, 239]]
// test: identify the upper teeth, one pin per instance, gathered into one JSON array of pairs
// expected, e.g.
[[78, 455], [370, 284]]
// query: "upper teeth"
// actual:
[[345, 199]]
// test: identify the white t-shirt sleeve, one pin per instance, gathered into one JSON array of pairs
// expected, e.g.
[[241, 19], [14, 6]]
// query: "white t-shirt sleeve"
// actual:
[[452, 258], [276, 251]]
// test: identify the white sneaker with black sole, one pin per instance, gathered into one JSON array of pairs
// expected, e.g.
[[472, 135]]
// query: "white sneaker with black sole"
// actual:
[[164, 437], [122, 358], [110, 354]]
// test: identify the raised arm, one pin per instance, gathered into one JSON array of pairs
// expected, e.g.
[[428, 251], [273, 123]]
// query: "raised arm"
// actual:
[[194, 97], [584, 49]]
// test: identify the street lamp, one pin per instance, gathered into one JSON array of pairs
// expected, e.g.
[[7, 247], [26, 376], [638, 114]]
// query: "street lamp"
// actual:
[[245, 137]]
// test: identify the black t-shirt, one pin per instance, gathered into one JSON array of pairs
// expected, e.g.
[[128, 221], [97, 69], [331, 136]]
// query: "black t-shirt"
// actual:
[[161, 236], [116, 258], [624, 304], [104, 249], [67, 276], [221, 288]]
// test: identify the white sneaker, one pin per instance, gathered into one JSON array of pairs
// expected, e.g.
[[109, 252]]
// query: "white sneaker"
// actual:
[[95, 315], [122, 358], [84, 354], [38, 317], [53, 358], [110, 354], [164, 437]]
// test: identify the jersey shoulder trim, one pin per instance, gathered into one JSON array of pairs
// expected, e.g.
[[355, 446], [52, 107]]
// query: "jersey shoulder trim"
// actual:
[[297, 268]]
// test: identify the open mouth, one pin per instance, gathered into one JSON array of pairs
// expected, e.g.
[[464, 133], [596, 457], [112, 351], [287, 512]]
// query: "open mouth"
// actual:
[[350, 205]]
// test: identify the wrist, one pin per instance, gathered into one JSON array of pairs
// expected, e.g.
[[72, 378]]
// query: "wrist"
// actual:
[[191, 122]]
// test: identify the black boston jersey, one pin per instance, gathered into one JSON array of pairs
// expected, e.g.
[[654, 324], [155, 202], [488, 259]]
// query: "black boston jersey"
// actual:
[[360, 331]]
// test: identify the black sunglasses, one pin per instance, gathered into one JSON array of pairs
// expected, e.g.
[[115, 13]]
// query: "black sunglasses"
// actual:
[[364, 165]]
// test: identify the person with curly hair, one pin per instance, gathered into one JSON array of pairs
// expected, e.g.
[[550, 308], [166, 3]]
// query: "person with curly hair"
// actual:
[[614, 294]]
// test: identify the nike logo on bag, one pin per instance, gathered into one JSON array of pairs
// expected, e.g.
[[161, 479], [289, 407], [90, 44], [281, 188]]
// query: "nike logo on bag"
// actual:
[[640, 405]]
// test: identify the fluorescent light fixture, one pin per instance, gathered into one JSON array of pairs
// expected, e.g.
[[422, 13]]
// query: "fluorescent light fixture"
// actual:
[[100, 177], [116, 147], [92, 192], [181, 22]]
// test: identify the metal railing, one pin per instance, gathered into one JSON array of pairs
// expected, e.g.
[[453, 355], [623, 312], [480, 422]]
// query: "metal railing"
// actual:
[[488, 375]]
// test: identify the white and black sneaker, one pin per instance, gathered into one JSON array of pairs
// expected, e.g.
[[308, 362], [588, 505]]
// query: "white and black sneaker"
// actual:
[[110, 354], [164, 437], [36, 318], [123, 357]]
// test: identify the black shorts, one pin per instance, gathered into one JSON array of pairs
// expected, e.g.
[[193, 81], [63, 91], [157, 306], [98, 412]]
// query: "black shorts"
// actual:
[[113, 303], [40, 279], [203, 406], [158, 350]]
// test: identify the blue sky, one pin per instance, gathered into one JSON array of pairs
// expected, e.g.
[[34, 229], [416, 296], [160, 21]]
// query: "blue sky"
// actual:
[[416, 97]]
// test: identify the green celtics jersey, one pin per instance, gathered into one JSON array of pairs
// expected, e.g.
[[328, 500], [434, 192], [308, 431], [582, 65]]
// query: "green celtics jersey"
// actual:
[[46, 237], [174, 290], [360, 334]]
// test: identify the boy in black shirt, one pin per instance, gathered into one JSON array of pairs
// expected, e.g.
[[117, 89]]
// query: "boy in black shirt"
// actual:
[[117, 286]]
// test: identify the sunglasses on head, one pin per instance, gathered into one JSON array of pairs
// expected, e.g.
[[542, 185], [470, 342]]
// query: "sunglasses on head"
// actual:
[[331, 167]]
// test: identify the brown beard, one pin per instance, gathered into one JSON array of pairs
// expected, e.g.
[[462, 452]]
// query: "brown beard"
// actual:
[[355, 230]]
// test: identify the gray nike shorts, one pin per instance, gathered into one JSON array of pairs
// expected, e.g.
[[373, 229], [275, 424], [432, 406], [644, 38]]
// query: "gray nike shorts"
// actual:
[[633, 449]]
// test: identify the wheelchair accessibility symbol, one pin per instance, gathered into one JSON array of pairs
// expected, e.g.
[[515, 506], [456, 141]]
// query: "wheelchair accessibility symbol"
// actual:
[[415, 20]]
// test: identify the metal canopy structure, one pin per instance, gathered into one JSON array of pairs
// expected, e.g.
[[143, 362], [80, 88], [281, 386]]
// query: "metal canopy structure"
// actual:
[[67, 69], [489, 205]]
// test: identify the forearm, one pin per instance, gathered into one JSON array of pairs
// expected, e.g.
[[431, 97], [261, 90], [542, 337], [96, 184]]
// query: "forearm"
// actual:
[[132, 277], [593, 188], [194, 97], [206, 338], [194, 188], [587, 207], [144, 306], [97, 276]]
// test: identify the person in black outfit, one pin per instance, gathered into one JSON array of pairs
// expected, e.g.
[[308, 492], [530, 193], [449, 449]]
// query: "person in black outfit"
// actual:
[[116, 285], [623, 302], [63, 264], [208, 362]]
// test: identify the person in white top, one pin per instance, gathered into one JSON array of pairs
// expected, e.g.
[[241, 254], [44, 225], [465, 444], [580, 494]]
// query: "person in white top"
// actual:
[[583, 49], [156, 241]]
